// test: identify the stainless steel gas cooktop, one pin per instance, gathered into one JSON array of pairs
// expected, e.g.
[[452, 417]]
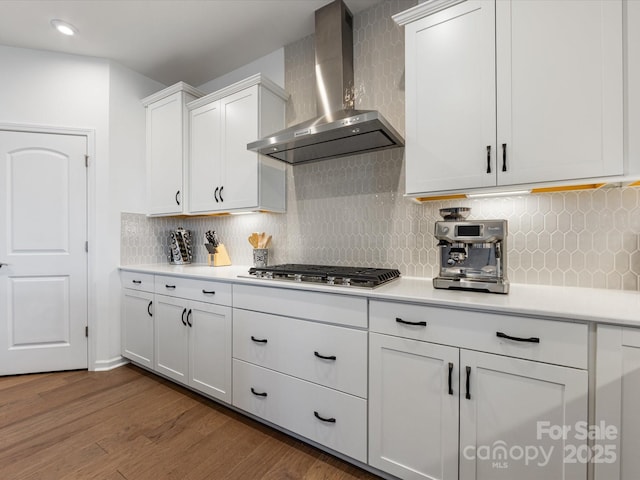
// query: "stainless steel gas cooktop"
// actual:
[[327, 274]]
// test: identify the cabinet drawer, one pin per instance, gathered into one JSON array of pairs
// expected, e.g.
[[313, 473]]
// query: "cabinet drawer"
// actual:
[[137, 281], [192, 289], [296, 347], [323, 307], [560, 343], [328, 417]]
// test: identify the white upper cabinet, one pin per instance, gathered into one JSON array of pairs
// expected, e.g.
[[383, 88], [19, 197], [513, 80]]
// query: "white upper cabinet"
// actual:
[[166, 148], [512, 92], [632, 87], [450, 99], [559, 84], [223, 174]]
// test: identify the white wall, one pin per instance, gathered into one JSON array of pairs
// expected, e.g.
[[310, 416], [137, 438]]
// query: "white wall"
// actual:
[[125, 191], [271, 65], [58, 90]]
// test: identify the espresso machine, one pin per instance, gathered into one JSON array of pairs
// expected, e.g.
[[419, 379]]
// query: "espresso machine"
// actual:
[[472, 253]]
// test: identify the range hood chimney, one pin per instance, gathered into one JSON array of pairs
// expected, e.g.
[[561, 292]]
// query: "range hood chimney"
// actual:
[[339, 130]]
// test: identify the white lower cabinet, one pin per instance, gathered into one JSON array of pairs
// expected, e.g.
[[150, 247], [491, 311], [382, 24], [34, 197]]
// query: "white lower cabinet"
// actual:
[[510, 412], [435, 408], [617, 398], [193, 344], [137, 325], [413, 412], [323, 415], [300, 362]]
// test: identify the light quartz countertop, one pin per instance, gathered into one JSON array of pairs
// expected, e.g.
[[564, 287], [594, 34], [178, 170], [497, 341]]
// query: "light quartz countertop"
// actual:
[[560, 303]]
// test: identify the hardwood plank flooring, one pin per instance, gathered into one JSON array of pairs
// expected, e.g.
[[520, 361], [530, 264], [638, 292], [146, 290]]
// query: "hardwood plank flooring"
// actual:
[[128, 424]]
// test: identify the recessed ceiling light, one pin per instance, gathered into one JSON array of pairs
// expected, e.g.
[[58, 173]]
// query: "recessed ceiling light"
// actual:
[[64, 27]]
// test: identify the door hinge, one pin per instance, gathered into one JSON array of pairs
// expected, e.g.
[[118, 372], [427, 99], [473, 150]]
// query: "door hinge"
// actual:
[[86, 331], [86, 246], [86, 160]]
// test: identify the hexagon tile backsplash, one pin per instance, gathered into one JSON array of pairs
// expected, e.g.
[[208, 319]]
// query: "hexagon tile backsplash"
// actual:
[[352, 211]]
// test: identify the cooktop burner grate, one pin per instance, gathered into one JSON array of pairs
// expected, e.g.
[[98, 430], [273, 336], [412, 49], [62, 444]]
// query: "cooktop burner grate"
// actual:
[[327, 274]]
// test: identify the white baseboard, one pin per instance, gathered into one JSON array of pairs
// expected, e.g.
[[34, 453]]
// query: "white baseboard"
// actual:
[[104, 365]]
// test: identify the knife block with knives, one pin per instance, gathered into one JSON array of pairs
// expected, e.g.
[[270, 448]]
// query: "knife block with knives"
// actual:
[[218, 256]]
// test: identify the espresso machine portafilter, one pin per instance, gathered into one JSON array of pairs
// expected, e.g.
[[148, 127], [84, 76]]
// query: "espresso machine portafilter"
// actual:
[[472, 253]]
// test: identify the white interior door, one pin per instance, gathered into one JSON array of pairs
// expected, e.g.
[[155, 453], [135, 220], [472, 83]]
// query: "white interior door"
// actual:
[[43, 229]]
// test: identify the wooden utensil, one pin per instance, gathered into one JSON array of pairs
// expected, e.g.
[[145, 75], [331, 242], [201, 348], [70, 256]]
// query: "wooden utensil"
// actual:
[[253, 240]]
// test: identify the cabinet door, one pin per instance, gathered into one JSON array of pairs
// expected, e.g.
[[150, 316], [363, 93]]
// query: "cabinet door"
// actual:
[[171, 338], [413, 412], [240, 166], [137, 327], [617, 399], [559, 84], [210, 349], [205, 171], [509, 420], [450, 104], [165, 155]]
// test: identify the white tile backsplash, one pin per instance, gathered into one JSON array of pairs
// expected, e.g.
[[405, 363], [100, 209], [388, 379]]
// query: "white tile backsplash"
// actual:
[[352, 210]]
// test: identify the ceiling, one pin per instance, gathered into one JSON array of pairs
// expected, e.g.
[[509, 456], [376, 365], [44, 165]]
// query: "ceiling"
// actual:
[[167, 40]]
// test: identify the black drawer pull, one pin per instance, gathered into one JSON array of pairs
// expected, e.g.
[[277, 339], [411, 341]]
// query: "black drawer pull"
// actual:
[[183, 320], [504, 157], [518, 339], [488, 158], [172, 287], [208, 292], [328, 420], [404, 322], [258, 394], [149, 309], [258, 340], [188, 317], [215, 194], [137, 282], [177, 195], [468, 394], [450, 373], [331, 357]]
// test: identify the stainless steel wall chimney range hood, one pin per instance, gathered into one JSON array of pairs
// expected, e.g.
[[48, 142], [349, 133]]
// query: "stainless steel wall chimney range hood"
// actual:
[[339, 130]]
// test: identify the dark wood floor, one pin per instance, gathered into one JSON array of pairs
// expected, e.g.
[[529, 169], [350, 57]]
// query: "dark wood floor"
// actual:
[[130, 424]]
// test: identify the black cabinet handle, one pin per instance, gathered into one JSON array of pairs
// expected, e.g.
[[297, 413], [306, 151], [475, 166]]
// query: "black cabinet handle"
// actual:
[[504, 157], [488, 158], [450, 374], [331, 357], [149, 309], [258, 394], [220, 193], [183, 320], [137, 282], [518, 339], [215, 194], [468, 394], [328, 420], [404, 322], [177, 195], [208, 292], [188, 317], [171, 287], [258, 340]]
